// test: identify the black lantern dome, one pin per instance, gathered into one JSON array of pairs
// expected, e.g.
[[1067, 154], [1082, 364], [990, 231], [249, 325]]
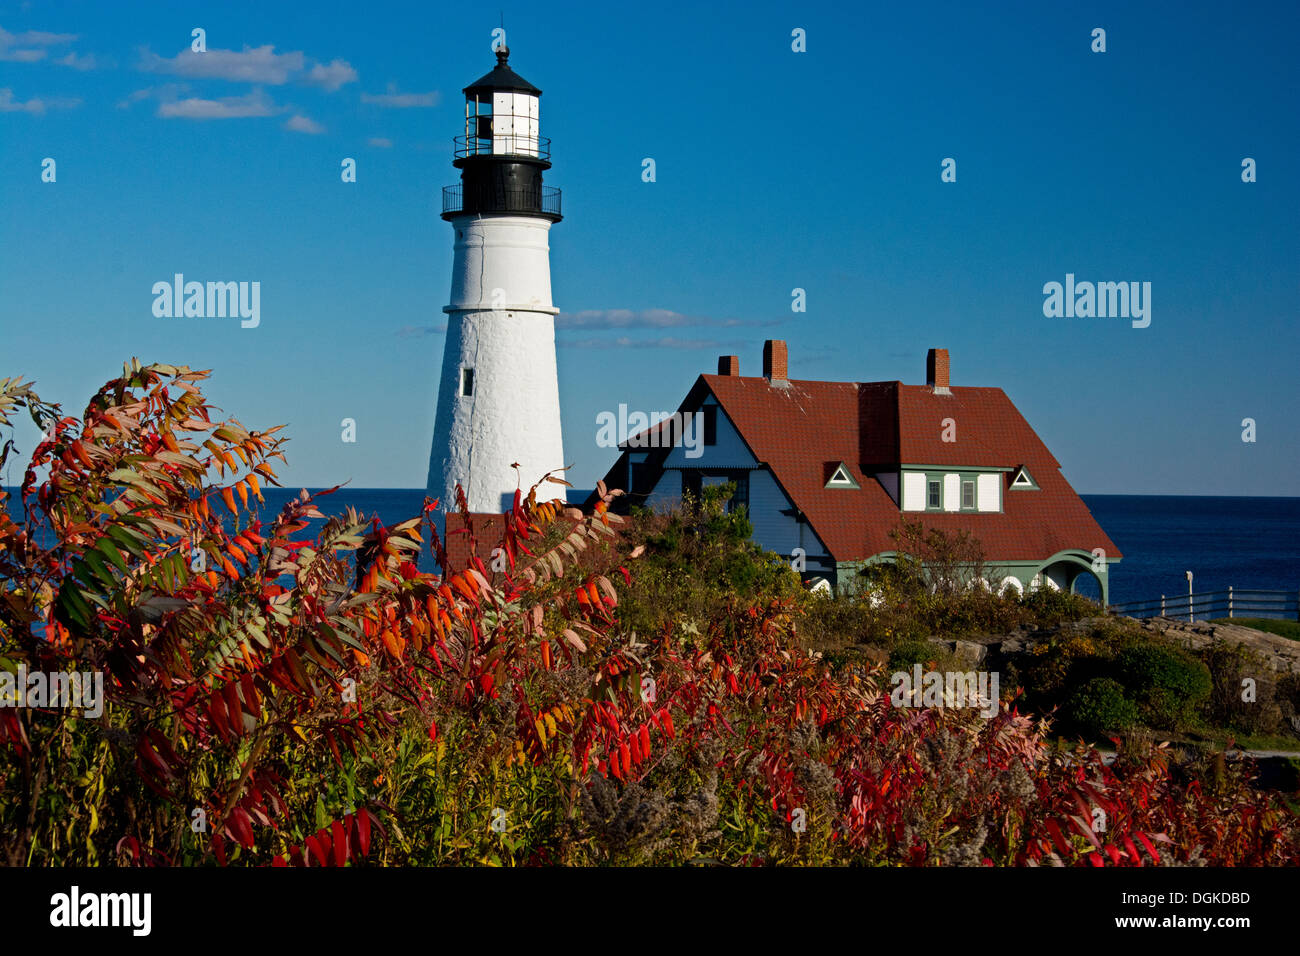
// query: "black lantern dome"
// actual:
[[502, 154]]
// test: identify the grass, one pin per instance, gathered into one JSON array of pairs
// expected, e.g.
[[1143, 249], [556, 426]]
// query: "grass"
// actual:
[[1269, 625], [1217, 738]]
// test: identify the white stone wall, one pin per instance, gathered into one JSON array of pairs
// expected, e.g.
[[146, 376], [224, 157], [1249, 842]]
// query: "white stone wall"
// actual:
[[508, 338], [507, 253]]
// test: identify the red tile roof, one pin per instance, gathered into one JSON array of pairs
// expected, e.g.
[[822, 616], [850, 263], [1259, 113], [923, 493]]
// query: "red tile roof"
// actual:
[[796, 428]]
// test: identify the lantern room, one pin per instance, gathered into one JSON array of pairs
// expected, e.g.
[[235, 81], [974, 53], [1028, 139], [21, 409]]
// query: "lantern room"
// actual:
[[502, 154], [502, 115]]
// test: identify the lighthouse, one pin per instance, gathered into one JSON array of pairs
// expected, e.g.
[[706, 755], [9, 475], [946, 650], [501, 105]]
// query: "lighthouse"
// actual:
[[499, 399]]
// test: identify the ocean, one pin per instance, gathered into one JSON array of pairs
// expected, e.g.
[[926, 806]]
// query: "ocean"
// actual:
[[1242, 542]]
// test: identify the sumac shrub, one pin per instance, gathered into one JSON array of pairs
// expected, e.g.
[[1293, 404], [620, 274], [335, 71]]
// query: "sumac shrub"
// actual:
[[323, 702]]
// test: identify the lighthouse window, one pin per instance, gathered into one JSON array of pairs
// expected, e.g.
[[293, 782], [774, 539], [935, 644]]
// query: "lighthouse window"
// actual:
[[467, 381]]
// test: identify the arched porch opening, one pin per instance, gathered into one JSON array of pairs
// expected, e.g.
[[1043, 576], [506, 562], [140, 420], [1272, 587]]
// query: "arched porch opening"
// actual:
[[1073, 571]]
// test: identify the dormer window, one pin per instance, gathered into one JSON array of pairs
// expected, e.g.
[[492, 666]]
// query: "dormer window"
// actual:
[[968, 494], [840, 477]]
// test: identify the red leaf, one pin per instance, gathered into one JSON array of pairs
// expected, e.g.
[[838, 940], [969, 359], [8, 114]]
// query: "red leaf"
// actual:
[[363, 831], [1133, 851], [316, 845], [340, 843], [233, 709], [1054, 829], [241, 827], [1142, 838]]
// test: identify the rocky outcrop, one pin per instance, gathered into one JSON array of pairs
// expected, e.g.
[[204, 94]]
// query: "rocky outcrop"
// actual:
[[1281, 654]]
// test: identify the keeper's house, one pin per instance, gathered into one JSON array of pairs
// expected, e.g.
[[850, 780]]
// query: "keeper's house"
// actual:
[[833, 467]]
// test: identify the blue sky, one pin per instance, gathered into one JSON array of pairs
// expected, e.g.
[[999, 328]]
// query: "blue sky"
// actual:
[[775, 170]]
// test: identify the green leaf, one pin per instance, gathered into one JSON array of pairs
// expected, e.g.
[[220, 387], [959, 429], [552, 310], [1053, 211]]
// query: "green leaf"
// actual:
[[70, 608], [105, 547], [95, 562], [126, 540]]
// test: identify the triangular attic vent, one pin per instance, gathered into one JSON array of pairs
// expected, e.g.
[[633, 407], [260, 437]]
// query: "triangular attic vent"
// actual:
[[840, 477], [1023, 479]]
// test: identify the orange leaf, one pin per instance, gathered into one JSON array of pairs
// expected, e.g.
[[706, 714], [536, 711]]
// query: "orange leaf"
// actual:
[[228, 497]]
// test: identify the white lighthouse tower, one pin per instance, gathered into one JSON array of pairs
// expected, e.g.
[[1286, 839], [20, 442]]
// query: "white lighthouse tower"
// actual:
[[499, 400]]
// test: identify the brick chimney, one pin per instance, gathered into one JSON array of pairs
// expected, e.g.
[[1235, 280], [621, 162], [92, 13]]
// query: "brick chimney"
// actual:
[[729, 365], [936, 370], [775, 361]]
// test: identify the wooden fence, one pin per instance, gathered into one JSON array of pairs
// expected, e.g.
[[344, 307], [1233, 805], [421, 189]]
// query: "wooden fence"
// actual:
[[1215, 604]]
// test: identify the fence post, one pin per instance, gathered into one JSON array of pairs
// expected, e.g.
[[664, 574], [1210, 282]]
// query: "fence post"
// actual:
[[1162, 603], [1229, 600]]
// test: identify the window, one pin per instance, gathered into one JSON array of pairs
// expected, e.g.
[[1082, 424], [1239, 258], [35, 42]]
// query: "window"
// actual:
[[640, 475], [466, 382], [934, 498], [968, 496], [710, 424], [694, 481]]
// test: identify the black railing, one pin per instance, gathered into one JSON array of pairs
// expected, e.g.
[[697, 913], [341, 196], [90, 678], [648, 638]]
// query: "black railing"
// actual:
[[511, 144], [545, 200]]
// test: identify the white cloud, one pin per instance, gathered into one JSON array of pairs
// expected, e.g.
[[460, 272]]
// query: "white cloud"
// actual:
[[29, 46], [381, 142], [415, 331], [302, 124], [166, 93], [255, 103], [86, 62], [625, 319], [35, 38], [395, 100], [330, 77], [253, 65], [36, 105], [21, 56], [624, 342]]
